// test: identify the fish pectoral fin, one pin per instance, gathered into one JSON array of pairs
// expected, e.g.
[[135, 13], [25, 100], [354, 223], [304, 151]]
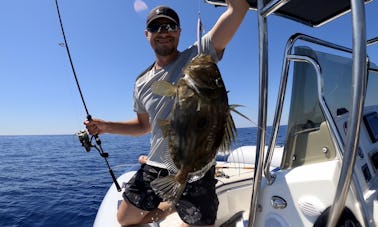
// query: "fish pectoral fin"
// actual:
[[168, 188], [165, 126], [163, 88]]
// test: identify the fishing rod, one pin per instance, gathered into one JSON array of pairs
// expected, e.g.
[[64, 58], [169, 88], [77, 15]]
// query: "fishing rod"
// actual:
[[200, 30], [83, 135]]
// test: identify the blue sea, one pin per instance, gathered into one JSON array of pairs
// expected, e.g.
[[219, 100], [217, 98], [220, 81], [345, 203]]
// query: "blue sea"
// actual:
[[52, 181]]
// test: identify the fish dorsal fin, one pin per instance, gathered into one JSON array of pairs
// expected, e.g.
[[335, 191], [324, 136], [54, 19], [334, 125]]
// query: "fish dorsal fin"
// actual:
[[230, 129], [233, 109], [229, 134], [163, 88]]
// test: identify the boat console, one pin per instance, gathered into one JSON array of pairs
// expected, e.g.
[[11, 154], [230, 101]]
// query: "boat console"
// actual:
[[367, 161]]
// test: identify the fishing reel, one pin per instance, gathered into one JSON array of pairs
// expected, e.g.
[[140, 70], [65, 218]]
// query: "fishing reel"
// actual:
[[84, 140], [87, 144]]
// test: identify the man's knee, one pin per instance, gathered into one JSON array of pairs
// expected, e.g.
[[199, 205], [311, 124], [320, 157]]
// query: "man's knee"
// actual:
[[121, 213], [128, 214]]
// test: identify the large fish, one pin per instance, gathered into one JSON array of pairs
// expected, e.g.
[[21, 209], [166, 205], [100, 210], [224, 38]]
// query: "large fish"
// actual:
[[200, 124]]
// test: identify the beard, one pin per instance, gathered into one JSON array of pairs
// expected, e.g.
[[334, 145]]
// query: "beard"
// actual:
[[165, 51]]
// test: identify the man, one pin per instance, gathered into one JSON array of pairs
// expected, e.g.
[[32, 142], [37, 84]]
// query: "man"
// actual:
[[199, 204]]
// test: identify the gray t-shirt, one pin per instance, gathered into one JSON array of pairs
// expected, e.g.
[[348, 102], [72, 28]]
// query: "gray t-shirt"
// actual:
[[159, 107]]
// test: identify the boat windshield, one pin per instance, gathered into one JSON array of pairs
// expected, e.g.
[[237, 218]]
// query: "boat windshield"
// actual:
[[372, 91], [337, 80], [308, 134]]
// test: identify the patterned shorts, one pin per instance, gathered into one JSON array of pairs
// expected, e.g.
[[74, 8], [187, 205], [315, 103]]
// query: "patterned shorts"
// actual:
[[198, 204]]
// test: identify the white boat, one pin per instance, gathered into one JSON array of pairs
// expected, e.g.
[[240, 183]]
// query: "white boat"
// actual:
[[328, 168]]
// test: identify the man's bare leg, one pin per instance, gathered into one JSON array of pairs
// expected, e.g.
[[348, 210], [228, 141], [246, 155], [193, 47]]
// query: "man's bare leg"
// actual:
[[131, 215], [159, 213], [128, 214], [186, 225], [162, 212]]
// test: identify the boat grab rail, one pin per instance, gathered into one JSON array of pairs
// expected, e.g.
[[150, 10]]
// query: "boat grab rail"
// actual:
[[282, 90], [281, 94], [372, 41], [359, 82]]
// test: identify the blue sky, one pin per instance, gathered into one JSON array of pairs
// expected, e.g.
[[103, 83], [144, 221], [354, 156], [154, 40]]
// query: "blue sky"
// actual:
[[38, 94]]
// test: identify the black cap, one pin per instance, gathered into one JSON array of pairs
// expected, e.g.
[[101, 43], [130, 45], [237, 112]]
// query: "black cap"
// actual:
[[162, 12]]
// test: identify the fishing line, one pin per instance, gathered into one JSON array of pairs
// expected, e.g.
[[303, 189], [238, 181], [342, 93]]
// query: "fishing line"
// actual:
[[200, 30], [83, 135]]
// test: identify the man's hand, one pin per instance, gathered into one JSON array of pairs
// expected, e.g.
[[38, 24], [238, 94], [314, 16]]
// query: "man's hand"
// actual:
[[95, 126]]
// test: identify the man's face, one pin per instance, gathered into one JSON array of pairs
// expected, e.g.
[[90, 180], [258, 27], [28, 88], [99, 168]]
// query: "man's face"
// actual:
[[163, 35]]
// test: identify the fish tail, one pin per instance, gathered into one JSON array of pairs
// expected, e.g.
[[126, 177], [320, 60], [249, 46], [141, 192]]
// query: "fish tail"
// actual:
[[168, 188]]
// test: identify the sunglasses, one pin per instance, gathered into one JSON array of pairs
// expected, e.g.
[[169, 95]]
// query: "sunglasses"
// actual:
[[162, 27]]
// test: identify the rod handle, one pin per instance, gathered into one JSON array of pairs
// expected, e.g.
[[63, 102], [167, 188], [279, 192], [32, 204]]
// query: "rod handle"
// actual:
[[98, 141]]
